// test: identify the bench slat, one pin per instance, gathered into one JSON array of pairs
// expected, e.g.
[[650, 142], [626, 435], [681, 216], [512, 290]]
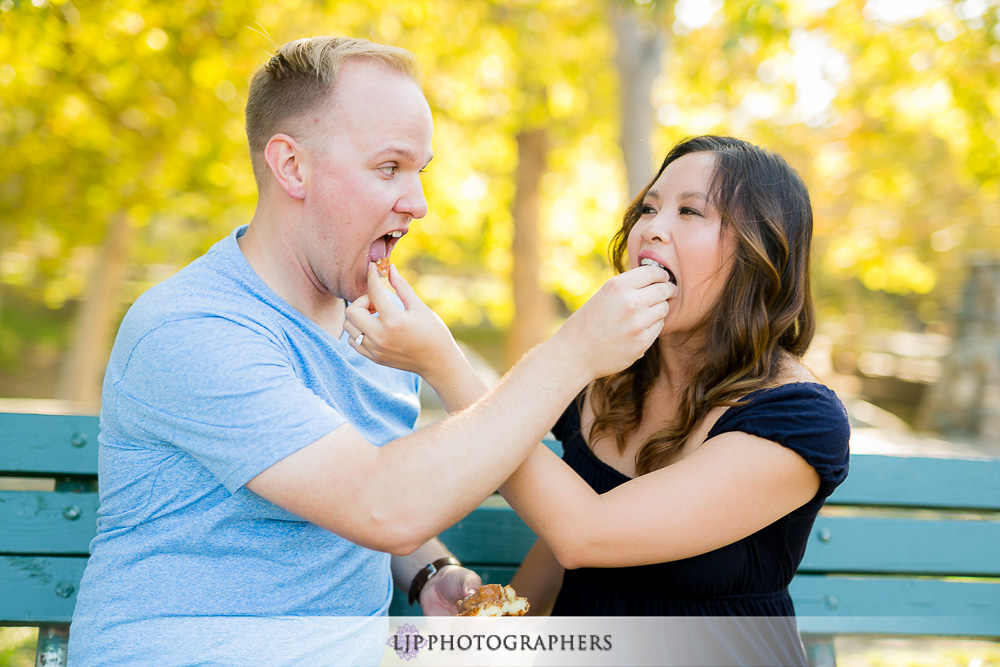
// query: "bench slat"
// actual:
[[32, 445], [894, 481], [896, 606], [47, 522], [35, 590], [903, 546], [490, 535]]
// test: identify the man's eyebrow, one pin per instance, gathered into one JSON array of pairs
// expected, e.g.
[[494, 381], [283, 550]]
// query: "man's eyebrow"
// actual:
[[404, 153], [401, 152]]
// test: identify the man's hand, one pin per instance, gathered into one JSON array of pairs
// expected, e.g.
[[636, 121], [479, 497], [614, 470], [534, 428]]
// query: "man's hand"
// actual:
[[619, 323], [442, 593]]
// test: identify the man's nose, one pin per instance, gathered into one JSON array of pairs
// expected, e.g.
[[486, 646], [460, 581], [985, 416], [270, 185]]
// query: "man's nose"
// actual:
[[413, 203]]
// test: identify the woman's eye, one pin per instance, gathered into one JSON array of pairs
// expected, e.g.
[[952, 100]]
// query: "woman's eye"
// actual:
[[647, 210], [389, 170], [687, 210]]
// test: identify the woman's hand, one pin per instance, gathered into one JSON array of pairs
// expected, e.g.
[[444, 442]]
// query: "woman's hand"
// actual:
[[414, 339], [619, 323], [442, 593]]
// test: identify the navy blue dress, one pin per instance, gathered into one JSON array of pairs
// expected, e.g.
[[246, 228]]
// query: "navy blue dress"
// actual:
[[748, 578]]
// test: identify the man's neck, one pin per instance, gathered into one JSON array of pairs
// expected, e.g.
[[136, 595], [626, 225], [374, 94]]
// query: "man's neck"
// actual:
[[276, 263]]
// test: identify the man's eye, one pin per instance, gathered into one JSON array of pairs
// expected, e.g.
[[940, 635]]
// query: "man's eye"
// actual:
[[389, 170]]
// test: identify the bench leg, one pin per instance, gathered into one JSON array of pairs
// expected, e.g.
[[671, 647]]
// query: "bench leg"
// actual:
[[53, 642], [819, 650]]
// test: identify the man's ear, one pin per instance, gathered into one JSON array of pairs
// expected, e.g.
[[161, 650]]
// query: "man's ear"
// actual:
[[288, 160]]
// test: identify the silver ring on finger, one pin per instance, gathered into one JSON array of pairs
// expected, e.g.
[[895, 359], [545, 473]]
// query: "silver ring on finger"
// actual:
[[360, 339]]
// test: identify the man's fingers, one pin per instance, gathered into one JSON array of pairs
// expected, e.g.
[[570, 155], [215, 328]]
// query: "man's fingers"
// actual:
[[657, 292], [471, 583], [641, 276]]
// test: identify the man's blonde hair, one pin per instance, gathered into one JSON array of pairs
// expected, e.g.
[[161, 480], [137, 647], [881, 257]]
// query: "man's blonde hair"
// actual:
[[299, 78]]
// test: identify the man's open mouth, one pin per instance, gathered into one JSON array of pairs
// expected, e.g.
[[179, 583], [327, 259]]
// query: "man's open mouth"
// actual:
[[383, 246]]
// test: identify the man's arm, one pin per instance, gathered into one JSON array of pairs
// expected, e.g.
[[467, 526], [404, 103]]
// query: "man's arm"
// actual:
[[396, 497], [448, 585]]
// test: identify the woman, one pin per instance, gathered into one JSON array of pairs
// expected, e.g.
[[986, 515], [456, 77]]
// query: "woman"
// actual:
[[691, 480]]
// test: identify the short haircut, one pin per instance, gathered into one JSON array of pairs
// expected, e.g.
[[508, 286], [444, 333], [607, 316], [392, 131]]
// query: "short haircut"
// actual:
[[299, 78]]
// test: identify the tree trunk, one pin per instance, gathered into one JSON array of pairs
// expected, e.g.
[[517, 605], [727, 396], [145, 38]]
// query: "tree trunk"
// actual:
[[533, 308], [83, 370], [640, 48]]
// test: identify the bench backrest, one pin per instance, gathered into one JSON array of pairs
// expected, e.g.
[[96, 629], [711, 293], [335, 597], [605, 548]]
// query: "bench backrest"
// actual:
[[48, 514], [905, 546]]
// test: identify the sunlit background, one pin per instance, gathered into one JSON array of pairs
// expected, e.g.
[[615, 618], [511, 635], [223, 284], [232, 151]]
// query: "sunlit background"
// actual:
[[124, 158]]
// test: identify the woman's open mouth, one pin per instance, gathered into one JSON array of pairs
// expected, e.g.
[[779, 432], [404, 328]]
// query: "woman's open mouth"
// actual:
[[653, 262]]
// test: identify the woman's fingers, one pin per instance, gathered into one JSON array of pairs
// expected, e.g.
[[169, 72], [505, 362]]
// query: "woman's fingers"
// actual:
[[381, 300], [404, 291]]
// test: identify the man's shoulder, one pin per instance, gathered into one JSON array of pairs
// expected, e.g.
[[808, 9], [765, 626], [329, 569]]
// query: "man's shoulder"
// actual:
[[210, 285], [202, 292]]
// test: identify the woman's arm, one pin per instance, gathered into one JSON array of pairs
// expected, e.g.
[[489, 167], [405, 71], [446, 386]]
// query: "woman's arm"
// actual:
[[730, 487], [539, 579]]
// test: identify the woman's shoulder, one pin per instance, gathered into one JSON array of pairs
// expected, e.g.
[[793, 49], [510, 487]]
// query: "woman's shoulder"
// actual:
[[796, 388], [791, 400], [796, 407], [805, 416]]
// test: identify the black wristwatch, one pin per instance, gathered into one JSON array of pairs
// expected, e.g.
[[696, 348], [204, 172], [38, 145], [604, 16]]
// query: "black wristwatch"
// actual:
[[425, 574]]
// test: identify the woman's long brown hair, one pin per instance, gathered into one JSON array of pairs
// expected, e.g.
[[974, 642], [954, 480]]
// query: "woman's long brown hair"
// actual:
[[765, 307]]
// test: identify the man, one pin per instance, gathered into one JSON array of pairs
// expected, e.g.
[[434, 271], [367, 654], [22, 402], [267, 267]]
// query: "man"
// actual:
[[256, 469]]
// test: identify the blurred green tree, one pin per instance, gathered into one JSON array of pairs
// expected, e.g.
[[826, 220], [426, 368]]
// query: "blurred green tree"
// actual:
[[125, 156]]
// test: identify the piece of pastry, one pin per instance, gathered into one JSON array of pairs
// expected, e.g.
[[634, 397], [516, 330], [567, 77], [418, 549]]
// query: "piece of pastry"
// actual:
[[493, 600], [382, 264]]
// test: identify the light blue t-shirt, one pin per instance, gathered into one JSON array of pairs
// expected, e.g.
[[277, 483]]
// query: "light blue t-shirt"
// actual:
[[214, 378]]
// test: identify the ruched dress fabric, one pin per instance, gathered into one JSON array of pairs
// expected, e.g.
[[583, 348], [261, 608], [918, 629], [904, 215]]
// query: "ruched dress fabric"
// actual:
[[748, 578]]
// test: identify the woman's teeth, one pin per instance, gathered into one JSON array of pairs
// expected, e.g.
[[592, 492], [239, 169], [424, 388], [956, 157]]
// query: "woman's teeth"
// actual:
[[396, 234], [652, 262]]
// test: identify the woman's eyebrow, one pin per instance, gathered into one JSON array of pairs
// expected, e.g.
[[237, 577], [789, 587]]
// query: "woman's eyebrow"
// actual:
[[695, 194], [653, 194]]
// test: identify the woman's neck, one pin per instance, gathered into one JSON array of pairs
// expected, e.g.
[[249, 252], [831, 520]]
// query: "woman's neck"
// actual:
[[680, 360]]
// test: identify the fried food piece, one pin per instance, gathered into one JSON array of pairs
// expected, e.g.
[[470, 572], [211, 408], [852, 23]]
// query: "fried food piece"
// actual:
[[493, 600], [382, 264]]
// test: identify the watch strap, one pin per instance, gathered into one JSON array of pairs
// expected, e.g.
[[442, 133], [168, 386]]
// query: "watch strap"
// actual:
[[425, 574]]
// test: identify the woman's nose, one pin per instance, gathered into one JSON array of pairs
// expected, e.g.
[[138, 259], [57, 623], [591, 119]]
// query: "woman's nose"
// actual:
[[656, 230]]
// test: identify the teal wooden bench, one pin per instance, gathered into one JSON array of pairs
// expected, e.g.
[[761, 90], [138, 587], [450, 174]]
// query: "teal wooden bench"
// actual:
[[48, 515], [905, 547]]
